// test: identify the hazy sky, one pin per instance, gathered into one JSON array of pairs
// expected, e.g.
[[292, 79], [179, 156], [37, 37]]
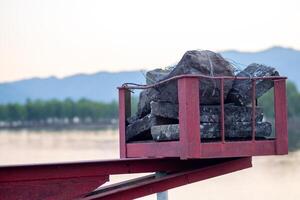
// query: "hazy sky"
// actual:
[[63, 37]]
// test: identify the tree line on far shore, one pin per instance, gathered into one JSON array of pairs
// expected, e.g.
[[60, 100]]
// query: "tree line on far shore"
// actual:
[[293, 112], [293, 99], [84, 109], [51, 110]]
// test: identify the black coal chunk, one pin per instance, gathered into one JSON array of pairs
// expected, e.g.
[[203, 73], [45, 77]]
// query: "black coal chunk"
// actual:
[[238, 130], [240, 94], [166, 113], [209, 113], [156, 75], [140, 129]]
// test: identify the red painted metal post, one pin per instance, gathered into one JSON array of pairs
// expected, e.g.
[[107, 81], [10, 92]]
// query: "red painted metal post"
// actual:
[[222, 110], [280, 107], [189, 117], [253, 121], [124, 113]]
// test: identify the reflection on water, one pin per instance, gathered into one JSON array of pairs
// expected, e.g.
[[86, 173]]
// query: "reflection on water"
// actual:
[[272, 177], [55, 146]]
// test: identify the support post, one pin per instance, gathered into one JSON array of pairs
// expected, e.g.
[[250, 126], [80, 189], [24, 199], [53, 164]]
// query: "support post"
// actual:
[[124, 113], [189, 117], [253, 101], [222, 118], [280, 107], [161, 195]]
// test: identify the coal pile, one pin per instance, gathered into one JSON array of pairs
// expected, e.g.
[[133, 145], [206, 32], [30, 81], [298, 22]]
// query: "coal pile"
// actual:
[[157, 115]]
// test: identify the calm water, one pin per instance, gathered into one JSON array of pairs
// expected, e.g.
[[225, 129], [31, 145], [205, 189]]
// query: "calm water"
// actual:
[[273, 177]]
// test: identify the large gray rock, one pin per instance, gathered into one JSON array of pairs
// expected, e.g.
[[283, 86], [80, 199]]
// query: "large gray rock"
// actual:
[[241, 92], [193, 62], [156, 75], [209, 113], [144, 101], [238, 130], [166, 113], [140, 129]]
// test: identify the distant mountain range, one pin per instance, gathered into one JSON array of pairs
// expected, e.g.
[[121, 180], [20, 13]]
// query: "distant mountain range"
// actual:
[[285, 60], [101, 86]]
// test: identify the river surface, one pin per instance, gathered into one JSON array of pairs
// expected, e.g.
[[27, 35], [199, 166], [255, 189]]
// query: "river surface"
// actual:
[[271, 177]]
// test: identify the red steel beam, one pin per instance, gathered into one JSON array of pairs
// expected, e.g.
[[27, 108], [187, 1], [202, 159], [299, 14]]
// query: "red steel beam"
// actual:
[[150, 184], [66, 188], [88, 169], [69, 180]]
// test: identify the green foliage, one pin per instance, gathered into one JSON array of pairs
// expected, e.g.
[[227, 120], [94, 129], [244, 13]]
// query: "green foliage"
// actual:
[[134, 103], [39, 110], [12, 112], [293, 99]]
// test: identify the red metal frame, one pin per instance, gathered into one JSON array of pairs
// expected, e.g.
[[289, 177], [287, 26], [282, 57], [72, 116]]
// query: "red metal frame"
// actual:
[[189, 144]]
